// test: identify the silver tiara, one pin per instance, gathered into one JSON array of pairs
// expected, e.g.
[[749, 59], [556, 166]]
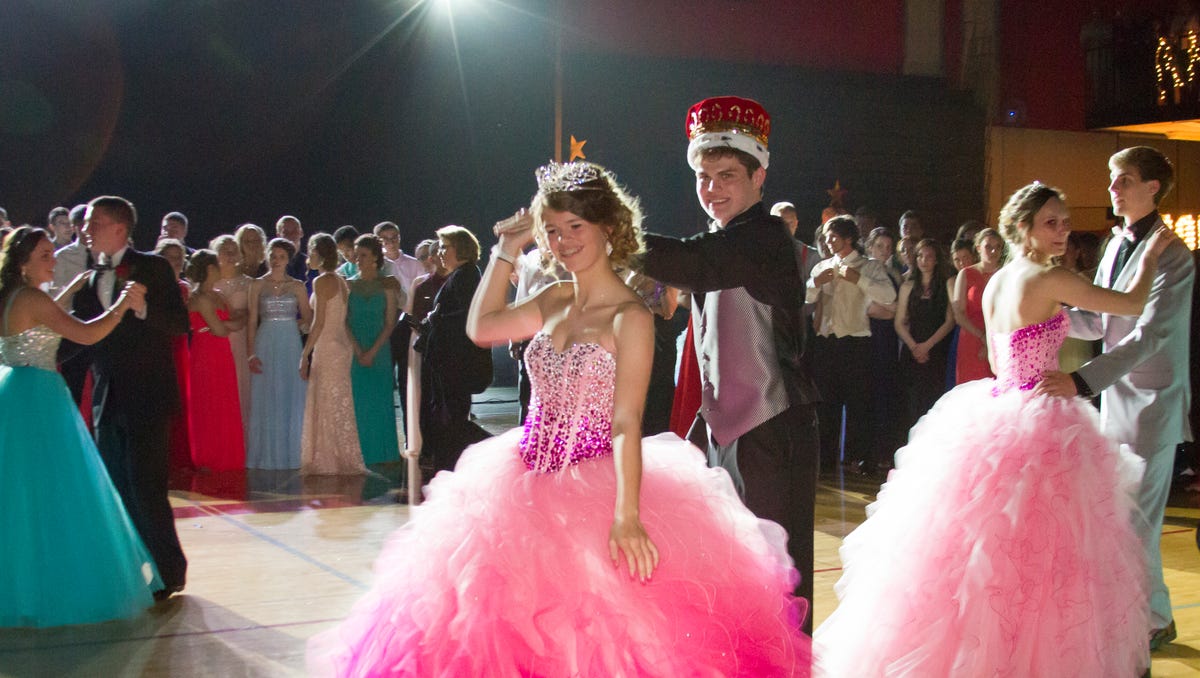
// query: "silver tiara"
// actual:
[[558, 177]]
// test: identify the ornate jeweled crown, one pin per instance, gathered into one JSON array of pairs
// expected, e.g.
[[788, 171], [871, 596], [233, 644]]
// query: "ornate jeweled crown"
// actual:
[[559, 177]]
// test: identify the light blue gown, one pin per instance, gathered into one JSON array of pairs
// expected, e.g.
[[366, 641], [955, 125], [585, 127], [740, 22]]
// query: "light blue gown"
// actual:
[[277, 395]]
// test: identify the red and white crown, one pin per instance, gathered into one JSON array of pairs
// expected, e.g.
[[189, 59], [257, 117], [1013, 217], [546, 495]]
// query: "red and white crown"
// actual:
[[729, 121]]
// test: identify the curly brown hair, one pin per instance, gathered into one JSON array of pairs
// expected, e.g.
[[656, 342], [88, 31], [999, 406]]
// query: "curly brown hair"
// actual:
[[601, 201]]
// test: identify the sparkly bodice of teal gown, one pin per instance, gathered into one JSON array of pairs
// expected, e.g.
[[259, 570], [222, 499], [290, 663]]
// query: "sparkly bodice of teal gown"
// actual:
[[35, 347], [1021, 356], [374, 409]]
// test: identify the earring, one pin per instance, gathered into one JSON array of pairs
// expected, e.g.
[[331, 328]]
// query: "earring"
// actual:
[[608, 247]]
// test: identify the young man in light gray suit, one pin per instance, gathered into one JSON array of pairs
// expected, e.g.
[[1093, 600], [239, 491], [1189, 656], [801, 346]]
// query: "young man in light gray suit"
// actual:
[[1143, 372]]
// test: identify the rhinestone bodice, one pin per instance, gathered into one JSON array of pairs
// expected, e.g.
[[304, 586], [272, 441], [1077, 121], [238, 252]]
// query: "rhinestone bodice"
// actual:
[[1021, 356], [277, 307], [35, 347], [570, 411]]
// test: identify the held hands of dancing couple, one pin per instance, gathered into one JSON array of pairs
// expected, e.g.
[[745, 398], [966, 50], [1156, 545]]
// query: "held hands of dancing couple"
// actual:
[[596, 308], [40, 309], [1075, 291]]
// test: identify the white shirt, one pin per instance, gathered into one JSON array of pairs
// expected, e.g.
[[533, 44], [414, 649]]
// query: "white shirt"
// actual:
[[106, 279], [405, 270], [69, 261], [844, 304]]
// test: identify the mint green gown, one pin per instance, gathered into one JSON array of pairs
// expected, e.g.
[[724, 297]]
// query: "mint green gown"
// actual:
[[374, 409]]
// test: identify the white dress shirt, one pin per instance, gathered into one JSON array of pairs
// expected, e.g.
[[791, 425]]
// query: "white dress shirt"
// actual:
[[843, 303]]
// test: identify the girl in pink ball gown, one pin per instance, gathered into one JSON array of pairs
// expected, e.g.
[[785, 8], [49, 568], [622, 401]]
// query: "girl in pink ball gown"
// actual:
[[571, 546], [1003, 543]]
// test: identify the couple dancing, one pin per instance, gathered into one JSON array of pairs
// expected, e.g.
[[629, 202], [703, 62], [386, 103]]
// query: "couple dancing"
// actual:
[[92, 530], [506, 569]]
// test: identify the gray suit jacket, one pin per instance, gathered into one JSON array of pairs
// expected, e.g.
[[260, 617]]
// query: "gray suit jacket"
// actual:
[[1143, 371]]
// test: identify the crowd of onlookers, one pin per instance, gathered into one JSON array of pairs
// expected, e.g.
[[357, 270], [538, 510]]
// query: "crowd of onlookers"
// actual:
[[295, 347]]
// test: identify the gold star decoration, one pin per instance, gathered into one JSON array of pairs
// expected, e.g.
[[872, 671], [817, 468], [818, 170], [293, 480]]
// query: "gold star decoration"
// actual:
[[836, 194], [577, 149]]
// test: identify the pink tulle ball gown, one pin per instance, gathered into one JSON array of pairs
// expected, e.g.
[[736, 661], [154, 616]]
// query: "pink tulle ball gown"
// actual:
[[1002, 544], [505, 570]]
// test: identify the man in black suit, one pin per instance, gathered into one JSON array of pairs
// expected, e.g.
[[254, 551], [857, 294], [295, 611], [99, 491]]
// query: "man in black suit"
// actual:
[[135, 395], [289, 228]]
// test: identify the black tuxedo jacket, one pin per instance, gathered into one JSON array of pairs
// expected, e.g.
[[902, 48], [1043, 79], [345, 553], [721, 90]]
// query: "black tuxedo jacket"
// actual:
[[134, 367]]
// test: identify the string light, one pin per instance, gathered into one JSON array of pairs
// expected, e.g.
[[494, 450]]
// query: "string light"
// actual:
[[1192, 49], [1185, 226]]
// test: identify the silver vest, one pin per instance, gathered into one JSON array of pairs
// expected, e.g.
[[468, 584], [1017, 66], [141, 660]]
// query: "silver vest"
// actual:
[[741, 385]]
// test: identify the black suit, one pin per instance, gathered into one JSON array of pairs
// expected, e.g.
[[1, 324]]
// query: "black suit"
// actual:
[[135, 397]]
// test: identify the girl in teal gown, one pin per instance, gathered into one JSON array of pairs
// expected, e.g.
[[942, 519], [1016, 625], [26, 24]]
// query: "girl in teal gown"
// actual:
[[73, 555], [370, 316]]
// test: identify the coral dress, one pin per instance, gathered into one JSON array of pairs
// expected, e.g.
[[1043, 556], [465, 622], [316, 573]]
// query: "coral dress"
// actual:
[[72, 555], [214, 407], [505, 570], [969, 366], [1002, 544]]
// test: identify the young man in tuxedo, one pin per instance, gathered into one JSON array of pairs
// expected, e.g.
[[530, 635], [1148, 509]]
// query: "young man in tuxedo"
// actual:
[[135, 395], [1142, 375]]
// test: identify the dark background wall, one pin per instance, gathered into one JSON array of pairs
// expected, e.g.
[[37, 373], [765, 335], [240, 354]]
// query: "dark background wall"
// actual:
[[360, 111]]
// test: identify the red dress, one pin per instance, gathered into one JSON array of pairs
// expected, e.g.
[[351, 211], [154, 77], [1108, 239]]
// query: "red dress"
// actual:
[[969, 366], [181, 454], [214, 410]]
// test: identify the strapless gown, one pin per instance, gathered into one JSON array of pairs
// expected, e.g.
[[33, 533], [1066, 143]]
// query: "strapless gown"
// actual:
[[215, 427], [1002, 543], [505, 570], [72, 555]]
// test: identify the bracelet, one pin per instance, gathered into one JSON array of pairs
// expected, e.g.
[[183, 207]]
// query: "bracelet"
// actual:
[[498, 253], [251, 357]]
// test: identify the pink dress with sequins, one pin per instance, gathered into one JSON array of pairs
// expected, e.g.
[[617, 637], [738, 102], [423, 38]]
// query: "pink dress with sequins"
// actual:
[[1002, 544], [505, 571]]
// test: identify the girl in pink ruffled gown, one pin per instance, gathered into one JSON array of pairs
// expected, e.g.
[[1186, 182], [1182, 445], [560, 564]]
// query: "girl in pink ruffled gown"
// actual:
[[1003, 543], [572, 547]]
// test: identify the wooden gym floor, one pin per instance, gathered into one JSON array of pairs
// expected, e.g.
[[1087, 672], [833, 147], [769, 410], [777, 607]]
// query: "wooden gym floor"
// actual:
[[275, 558]]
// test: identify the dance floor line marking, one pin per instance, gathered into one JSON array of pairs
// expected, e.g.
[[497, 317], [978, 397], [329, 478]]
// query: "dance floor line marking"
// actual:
[[173, 634], [1183, 530], [288, 549]]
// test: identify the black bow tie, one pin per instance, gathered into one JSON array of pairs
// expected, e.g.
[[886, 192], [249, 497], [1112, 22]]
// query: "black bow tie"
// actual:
[[103, 267]]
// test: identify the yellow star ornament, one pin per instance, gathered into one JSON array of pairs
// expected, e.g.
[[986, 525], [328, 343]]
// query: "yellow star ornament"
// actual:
[[577, 149]]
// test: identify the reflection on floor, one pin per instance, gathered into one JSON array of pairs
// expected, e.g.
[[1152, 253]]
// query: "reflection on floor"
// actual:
[[276, 557]]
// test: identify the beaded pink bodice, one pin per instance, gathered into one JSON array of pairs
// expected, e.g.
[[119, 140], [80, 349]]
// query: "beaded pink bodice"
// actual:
[[1021, 356], [570, 411]]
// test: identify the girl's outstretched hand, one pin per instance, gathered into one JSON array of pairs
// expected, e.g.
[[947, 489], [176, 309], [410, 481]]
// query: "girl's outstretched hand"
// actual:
[[1160, 239], [629, 537]]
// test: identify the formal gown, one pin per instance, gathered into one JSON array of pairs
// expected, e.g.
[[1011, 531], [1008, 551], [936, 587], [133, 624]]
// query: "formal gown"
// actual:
[[374, 408], [923, 383], [329, 442], [72, 554], [505, 569], [181, 349], [968, 365], [1002, 544], [237, 292], [214, 408], [278, 392]]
